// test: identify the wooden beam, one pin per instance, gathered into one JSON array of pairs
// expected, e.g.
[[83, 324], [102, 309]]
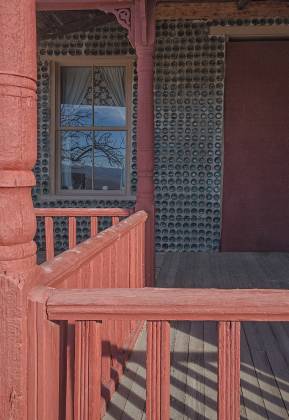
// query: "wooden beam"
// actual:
[[56, 5], [222, 10], [169, 304], [250, 31]]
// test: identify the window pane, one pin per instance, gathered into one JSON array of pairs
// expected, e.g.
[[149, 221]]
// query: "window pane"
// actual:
[[109, 96], [76, 160], [109, 160], [76, 97]]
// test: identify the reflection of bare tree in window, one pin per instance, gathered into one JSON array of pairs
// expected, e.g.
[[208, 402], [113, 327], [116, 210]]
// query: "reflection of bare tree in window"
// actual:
[[77, 115], [104, 147], [90, 98]]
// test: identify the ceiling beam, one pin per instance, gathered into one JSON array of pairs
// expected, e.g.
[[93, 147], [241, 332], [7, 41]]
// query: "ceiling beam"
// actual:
[[57, 5], [222, 10]]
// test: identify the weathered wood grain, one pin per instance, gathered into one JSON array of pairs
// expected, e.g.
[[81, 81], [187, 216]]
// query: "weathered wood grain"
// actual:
[[208, 10], [170, 304], [229, 371], [18, 140], [81, 212]]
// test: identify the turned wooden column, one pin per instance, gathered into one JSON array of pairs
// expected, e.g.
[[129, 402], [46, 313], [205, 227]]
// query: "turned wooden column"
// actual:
[[145, 152], [17, 219]]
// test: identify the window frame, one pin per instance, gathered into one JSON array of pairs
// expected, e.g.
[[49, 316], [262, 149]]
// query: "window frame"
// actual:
[[55, 157]]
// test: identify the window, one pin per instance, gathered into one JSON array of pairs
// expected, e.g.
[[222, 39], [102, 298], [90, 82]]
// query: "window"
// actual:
[[92, 127]]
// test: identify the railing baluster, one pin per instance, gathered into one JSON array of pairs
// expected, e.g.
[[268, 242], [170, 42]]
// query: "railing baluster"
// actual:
[[93, 226], [158, 370], [69, 371], [229, 371], [87, 385], [71, 213], [49, 238], [71, 232]]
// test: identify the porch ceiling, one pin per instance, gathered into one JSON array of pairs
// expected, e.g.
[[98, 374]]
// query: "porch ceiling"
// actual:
[[58, 23], [50, 24]]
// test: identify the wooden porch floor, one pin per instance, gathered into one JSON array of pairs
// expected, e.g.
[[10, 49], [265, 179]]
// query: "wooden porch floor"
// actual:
[[264, 346]]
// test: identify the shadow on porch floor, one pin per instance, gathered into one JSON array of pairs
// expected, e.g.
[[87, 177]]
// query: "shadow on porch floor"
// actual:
[[264, 346]]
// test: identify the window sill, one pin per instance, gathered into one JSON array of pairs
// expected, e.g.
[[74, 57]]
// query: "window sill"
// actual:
[[75, 197]]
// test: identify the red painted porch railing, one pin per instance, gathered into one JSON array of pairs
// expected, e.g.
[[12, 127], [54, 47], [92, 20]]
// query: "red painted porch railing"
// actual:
[[61, 354], [72, 213], [88, 308]]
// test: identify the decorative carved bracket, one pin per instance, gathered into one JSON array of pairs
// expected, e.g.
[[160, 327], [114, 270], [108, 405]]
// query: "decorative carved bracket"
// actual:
[[139, 20], [124, 17]]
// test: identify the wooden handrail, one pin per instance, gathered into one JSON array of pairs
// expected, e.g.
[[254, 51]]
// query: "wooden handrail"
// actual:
[[82, 212], [68, 262], [75, 366], [49, 214], [158, 307], [170, 304]]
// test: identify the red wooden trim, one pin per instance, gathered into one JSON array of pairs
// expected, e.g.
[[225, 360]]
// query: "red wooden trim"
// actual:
[[71, 232], [158, 371], [46, 5], [87, 387], [43, 359], [70, 357], [115, 220], [229, 371], [170, 304], [64, 265], [79, 212], [93, 226], [49, 238], [18, 139]]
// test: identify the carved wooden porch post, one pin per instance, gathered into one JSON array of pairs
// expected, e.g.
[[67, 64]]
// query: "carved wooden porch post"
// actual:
[[17, 219], [145, 50]]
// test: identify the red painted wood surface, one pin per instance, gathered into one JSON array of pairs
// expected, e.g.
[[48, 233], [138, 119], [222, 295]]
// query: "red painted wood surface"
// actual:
[[87, 383], [93, 226], [229, 371], [145, 50], [71, 232], [49, 237], [228, 307], [158, 371], [44, 359], [78, 4], [72, 213], [68, 265], [18, 270], [113, 258], [256, 149], [82, 212], [170, 304]]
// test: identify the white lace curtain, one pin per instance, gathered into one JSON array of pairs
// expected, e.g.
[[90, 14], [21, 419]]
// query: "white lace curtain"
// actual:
[[75, 82], [115, 83]]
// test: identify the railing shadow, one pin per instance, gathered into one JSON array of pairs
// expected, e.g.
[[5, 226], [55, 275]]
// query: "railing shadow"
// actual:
[[264, 388]]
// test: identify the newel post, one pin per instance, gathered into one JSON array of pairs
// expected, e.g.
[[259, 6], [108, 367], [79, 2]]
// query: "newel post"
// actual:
[[17, 219], [145, 50]]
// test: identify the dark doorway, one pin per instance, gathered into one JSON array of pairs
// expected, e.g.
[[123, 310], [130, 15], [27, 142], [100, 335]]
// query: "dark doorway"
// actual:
[[256, 147]]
